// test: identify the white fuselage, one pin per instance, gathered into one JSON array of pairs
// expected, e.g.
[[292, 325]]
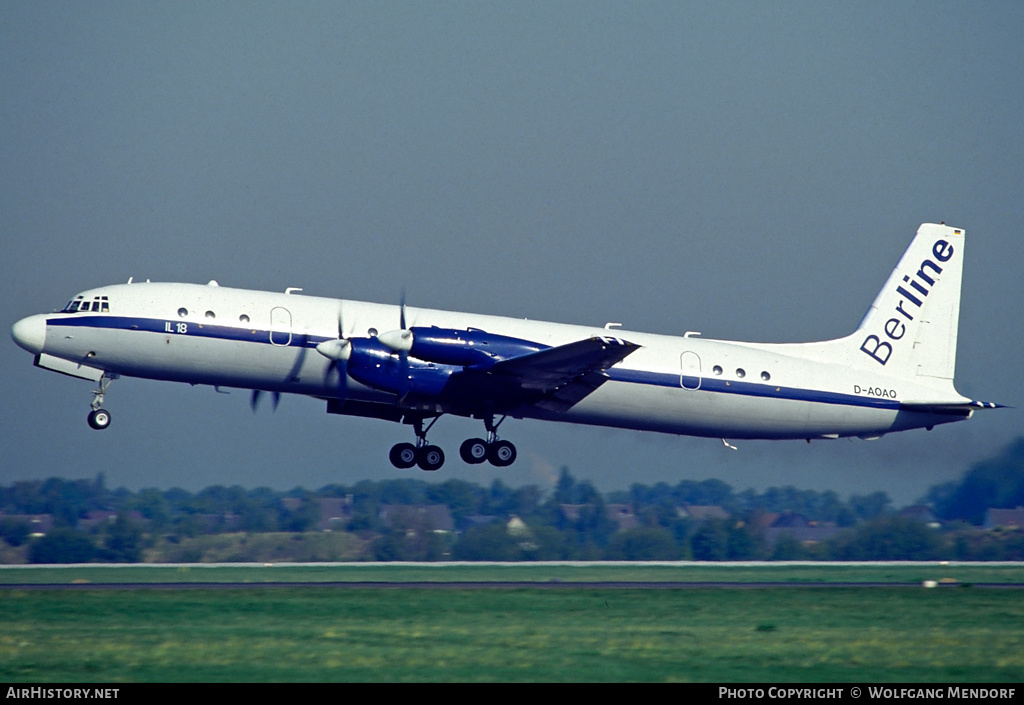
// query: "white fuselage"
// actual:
[[207, 334]]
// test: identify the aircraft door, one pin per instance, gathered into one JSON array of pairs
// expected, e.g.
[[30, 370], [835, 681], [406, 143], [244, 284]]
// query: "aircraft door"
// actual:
[[689, 370], [280, 326]]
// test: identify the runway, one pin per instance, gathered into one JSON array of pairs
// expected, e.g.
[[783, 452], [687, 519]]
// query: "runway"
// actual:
[[492, 585]]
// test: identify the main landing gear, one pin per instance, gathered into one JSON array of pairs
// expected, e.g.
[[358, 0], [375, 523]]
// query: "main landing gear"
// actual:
[[428, 457], [497, 452], [99, 418], [473, 451]]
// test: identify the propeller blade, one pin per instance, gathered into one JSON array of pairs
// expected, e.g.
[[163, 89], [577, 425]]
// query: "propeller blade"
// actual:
[[399, 341], [403, 367], [257, 394], [404, 341], [338, 352]]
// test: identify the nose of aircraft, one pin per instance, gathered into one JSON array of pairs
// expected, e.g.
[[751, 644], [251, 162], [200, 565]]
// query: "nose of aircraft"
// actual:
[[30, 333]]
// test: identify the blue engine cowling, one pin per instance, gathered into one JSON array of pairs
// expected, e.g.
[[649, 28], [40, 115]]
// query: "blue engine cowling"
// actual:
[[472, 348], [375, 365]]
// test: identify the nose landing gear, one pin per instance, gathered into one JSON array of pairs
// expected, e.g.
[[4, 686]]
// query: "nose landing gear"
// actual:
[[99, 418]]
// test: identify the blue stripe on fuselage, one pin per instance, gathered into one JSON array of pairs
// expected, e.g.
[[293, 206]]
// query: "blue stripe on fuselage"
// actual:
[[750, 389], [643, 377], [194, 328]]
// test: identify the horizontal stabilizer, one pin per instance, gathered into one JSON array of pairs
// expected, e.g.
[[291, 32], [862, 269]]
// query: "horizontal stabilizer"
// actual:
[[964, 407]]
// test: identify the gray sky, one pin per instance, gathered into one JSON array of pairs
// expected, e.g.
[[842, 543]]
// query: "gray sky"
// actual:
[[751, 170]]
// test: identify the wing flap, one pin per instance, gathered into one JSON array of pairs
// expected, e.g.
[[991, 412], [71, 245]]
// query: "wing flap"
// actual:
[[549, 370], [569, 395]]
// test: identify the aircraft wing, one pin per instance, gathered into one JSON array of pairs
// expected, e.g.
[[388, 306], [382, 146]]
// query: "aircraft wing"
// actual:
[[547, 370], [562, 376]]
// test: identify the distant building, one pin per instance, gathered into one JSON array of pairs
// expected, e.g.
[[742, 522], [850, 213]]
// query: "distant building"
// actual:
[[39, 524], [1004, 518], [518, 528], [97, 517], [921, 513], [622, 514], [698, 512], [217, 523], [292, 504], [475, 520], [335, 513], [800, 528], [571, 512], [417, 517]]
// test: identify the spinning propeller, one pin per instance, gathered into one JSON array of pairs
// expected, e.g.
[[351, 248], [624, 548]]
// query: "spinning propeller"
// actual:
[[254, 399], [338, 352], [400, 342]]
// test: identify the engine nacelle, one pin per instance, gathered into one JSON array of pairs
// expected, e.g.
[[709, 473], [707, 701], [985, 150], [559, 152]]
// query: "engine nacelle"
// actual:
[[467, 348], [373, 364]]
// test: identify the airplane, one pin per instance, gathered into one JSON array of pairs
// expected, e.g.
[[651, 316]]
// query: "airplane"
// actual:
[[414, 365]]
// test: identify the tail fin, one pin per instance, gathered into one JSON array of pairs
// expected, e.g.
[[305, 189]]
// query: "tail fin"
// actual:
[[911, 328]]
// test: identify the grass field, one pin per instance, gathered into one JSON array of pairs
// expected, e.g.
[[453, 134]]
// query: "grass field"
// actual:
[[794, 634]]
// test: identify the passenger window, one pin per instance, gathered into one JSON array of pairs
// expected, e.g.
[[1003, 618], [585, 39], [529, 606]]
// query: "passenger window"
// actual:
[[243, 318], [740, 372], [765, 376], [211, 314], [182, 312], [717, 369]]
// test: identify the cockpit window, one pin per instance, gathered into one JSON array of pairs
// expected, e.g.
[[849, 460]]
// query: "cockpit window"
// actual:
[[99, 304]]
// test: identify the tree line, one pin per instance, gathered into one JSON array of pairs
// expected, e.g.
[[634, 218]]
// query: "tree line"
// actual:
[[696, 520]]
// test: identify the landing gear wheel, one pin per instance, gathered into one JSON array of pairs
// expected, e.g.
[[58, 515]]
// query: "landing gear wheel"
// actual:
[[403, 455], [473, 451], [501, 454], [99, 419], [430, 458]]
